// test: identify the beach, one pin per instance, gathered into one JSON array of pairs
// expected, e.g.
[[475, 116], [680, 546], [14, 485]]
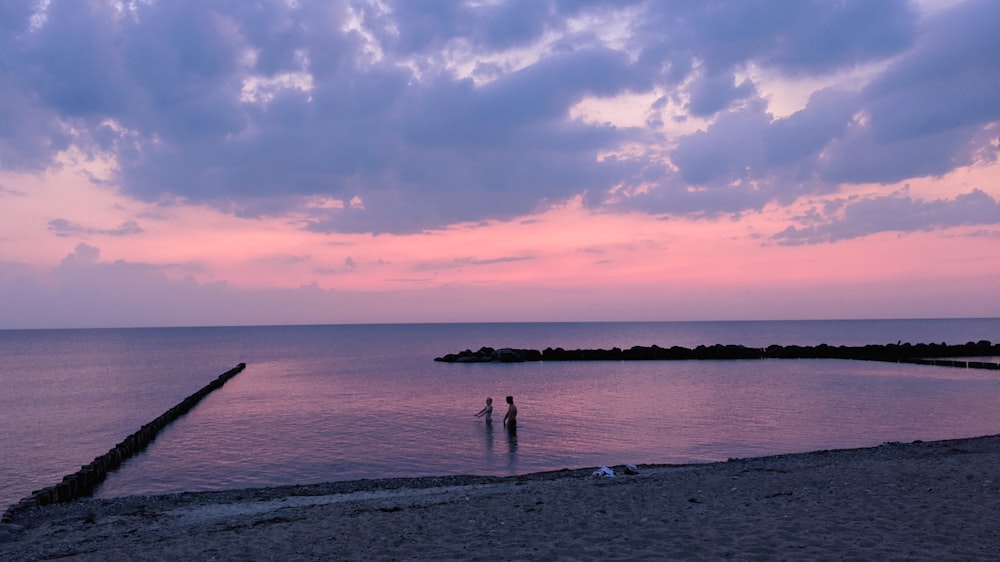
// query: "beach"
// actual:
[[914, 501]]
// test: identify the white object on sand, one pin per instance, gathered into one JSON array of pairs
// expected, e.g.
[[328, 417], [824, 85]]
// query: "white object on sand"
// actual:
[[603, 472]]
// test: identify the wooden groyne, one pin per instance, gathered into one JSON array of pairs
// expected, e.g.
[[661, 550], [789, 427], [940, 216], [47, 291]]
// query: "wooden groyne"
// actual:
[[83, 482], [922, 354]]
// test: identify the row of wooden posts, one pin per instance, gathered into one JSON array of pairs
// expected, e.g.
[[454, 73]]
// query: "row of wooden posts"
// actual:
[[82, 482], [955, 363]]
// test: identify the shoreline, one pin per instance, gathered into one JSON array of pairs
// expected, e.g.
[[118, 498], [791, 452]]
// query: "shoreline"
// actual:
[[924, 500]]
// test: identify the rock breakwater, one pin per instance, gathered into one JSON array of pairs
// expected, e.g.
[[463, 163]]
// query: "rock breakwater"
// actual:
[[926, 354]]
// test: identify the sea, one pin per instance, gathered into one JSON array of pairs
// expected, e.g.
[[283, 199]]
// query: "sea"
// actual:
[[346, 402]]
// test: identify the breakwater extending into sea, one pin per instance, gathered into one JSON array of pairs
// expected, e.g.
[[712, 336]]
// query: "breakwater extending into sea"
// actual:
[[82, 482], [920, 354]]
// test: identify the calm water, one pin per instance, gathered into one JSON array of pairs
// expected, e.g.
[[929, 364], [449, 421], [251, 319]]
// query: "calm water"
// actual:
[[321, 403]]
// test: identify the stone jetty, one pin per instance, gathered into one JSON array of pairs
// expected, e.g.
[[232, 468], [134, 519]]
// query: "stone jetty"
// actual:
[[924, 354], [83, 482]]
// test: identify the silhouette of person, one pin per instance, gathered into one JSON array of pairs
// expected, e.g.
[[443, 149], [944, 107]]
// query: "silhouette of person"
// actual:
[[510, 418], [510, 422], [487, 411]]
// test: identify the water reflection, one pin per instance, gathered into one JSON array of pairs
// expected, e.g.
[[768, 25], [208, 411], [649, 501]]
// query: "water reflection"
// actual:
[[488, 433], [511, 431]]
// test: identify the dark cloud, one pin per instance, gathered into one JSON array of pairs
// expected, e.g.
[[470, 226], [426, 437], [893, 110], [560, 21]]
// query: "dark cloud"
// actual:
[[709, 95], [802, 38], [733, 147], [67, 70], [800, 138], [429, 25], [925, 114], [529, 105], [265, 108], [895, 212], [949, 81], [859, 157], [30, 135], [822, 36]]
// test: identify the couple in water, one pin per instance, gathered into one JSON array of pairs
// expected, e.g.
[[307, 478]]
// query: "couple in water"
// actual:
[[509, 419]]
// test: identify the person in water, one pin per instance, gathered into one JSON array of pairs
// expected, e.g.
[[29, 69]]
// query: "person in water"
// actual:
[[510, 418], [487, 411]]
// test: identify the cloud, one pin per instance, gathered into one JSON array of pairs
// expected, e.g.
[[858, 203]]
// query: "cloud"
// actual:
[[410, 116], [7, 192], [283, 260], [807, 38], [65, 228], [748, 158], [492, 261], [709, 95], [948, 82], [859, 157], [83, 255], [925, 114], [469, 261], [895, 212], [84, 291]]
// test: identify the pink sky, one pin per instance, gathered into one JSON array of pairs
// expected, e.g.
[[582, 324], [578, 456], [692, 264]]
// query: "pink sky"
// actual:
[[698, 205], [567, 263]]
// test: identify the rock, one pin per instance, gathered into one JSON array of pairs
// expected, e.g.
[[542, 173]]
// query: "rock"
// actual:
[[9, 531], [490, 355], [507, 355], [631, 469]]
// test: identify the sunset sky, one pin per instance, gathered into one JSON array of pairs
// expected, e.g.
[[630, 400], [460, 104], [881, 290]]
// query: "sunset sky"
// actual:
[[185, 162]]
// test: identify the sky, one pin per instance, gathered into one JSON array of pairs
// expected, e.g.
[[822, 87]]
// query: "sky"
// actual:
[[241, 162]]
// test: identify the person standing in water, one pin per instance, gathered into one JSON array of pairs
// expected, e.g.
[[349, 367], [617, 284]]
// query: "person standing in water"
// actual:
[[510, 418], [487, 411]]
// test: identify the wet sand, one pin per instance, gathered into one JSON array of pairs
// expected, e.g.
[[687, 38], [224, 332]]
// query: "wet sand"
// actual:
[[917, 501]]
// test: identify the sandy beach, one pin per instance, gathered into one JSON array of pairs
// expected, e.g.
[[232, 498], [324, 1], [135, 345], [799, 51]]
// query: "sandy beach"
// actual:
[[916, 501]]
